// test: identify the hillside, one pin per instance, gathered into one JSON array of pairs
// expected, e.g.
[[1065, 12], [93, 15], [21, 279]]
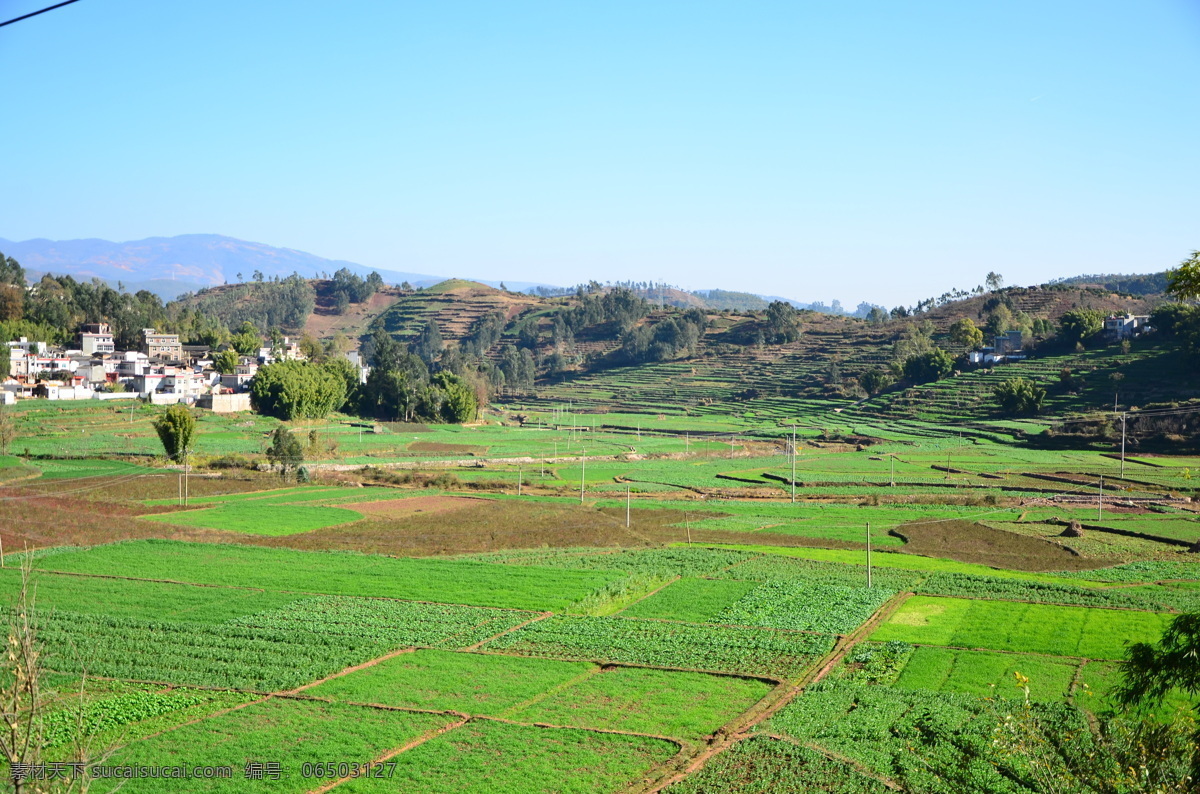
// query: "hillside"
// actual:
[[454, 305]]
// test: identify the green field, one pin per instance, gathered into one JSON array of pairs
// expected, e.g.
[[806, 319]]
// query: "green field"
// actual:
[[1025, 628], [252, 519], [687, 705], [471, 683], [479, 584], [987, 674], [514, 759]]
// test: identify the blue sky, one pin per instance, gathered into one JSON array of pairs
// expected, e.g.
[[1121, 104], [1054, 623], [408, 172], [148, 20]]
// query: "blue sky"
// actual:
[[878, 151]]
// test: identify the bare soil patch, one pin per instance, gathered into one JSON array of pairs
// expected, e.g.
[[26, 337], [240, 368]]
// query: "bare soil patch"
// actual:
[[415, 505], [967, 541]]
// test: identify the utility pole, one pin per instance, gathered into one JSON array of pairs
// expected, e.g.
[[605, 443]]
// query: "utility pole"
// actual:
[[520, 477], [687, 523], [687, 442], [731, 447], [583, 477], [1123, 414], [627, 497], [869, 554], [892, 458], [793, 464], [1101, 512]]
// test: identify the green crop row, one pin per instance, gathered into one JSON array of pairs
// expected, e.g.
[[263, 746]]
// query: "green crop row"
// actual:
[[763, 765], [761, 652], [803, 606]]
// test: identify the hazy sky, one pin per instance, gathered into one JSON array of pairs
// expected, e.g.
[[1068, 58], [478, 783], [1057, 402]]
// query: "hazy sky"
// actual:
[[881, 151]]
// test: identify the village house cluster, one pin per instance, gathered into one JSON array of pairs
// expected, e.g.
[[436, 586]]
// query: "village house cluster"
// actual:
[[161, 371]]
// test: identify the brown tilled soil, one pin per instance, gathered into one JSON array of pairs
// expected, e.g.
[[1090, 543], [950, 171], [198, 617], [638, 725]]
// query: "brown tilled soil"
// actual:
[[967, 541], [403, 508]]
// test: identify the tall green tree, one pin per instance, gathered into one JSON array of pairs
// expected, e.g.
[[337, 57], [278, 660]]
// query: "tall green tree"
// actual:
[[226, 361], [176, 429], [297, 390], [965, 334], [459, 403], [1079, 325], [1184, 281], [429, 344], [933, 365], [285, 451], [247, 340], [1019, 396]]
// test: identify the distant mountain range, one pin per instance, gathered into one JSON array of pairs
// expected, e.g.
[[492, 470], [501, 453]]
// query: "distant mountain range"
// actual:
[[171, 266]]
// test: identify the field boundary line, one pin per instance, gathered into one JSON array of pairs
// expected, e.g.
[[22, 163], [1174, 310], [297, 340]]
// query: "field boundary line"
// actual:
[[352, 669], [885, 611], [730, 567], [213, 715], [552, 727], [642, 598], [844, 760], [390, 754], [508, 630], [767, 678], [739, 728], [554, 690]]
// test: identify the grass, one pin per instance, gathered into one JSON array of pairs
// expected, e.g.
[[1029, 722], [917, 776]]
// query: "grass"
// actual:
[[1028, 628], [252, 518], [480, 584], [666, 703], [290, 733], [444, 681], [518, 759], [135, 599], [691, 600], [986, 674]]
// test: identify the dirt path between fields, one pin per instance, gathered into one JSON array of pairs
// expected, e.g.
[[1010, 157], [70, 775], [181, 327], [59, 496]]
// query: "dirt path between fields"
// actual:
[[741, 726]]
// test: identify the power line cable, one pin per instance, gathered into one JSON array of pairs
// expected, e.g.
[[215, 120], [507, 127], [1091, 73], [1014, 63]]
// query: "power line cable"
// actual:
[[35, 13]]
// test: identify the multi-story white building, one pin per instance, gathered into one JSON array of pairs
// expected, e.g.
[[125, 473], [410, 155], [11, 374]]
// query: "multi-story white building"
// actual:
[[96, 339]]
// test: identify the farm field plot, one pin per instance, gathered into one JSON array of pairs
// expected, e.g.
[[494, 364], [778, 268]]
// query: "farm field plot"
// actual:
[[140, 599], [290, 733], [746, 651], [515, 759], [920, 564], [781, 568], [84, 468], [446, 581], [118, 712], [691, 600], [471, 683], [804, 606], [264, 651], [925, 741], [253, 518], [1030, 628], [987, 674], [661, 702], [765, 765]]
